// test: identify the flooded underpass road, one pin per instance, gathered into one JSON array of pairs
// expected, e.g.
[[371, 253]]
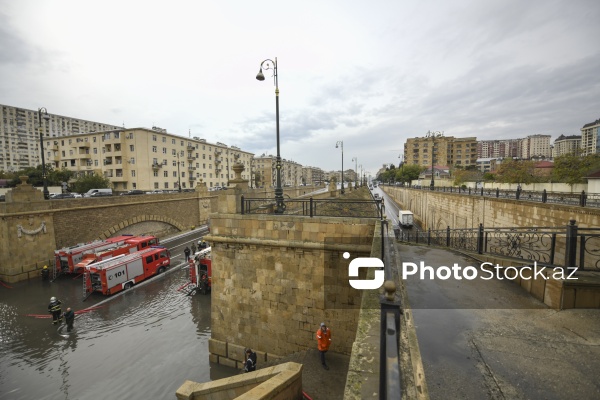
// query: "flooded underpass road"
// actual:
[[142, 344]]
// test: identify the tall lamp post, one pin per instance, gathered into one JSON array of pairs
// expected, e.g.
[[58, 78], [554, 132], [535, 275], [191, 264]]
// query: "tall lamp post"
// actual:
[[267, 65], [340, 143], [178, 174], [433, 135], [355, 170], [360, 175], [46, 117]]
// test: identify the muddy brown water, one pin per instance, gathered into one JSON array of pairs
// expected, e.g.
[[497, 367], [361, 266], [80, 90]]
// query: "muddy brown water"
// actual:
[[142, 344]]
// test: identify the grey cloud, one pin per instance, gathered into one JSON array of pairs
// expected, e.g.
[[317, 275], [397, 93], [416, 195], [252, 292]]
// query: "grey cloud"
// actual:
[[13, 49]]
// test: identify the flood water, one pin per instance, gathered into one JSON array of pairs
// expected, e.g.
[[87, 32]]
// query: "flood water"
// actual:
[[142, 344]]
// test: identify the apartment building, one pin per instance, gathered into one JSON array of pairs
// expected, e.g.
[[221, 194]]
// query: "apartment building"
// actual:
[[535, 146], [147, 159], [312, 175], [445, 150], [498, 148], [566, 145], [590, 143], [20, 135], [265, 167]]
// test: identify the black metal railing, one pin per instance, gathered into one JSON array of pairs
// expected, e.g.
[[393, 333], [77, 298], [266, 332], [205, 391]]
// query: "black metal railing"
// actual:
[[567, 247], [315, 207], [582, 199], [390, 381]]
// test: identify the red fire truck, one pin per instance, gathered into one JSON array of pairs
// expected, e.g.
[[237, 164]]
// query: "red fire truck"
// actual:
[[201, 271], [131, 245], [67, 258], [122, 272]]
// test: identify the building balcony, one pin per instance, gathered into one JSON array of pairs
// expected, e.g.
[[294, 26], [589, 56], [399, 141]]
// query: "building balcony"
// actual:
[[190, 168], [107, 161], [156, 166], [217, 161], [192, 178], [191, 147], [191, 157], [218, 152]]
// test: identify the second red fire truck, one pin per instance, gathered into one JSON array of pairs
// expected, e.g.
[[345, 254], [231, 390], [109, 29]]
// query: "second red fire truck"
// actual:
[[122, 272]]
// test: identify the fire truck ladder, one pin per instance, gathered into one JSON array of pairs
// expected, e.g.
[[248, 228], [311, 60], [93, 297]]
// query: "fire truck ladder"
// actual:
[[87, 289]]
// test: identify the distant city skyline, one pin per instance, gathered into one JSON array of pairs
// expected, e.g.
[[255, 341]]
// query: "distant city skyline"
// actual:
[[369, 76]]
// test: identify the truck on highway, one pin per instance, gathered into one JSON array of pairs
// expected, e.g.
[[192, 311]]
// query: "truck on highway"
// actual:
[[122, 272], [405, 218]]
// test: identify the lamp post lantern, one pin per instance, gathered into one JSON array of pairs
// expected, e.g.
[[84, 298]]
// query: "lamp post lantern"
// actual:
[[433, 135], [46, 117], [270, 64], [340, 143]]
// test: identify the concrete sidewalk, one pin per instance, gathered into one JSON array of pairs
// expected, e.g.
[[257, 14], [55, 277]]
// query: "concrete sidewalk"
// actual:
[[492, 340]]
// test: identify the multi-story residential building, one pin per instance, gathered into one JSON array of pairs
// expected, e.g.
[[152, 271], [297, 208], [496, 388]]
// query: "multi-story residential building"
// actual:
[[265, 167], [146, 159], [20, 135], [487, 164], [447, 150], [535, 146], [498, 148], [312, 175], [590, 142], [566, 145]]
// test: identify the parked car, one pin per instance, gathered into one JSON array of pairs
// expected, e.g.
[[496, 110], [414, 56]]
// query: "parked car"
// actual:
[[133, 192], [62, 196], [101, 194]]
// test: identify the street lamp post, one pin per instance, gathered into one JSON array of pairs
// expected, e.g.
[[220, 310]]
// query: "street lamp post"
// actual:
[[46, 117], [355, 170], [178, 174], [360, 175], [433, 135], [340, 143], [270, 64]]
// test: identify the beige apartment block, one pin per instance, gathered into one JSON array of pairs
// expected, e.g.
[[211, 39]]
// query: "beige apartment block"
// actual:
[[265, 167], [147, 159], [566, 145], [447, 151], [535, 146]]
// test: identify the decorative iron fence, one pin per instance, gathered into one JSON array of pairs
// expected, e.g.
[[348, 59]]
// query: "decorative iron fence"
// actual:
[[316, 207], [567, 247], [582, 199]]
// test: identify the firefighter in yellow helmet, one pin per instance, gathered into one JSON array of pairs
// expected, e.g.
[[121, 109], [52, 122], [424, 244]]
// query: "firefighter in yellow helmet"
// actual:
[[45, 273]]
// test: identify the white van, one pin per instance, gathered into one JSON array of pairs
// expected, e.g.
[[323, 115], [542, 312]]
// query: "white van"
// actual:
[[101, 192]]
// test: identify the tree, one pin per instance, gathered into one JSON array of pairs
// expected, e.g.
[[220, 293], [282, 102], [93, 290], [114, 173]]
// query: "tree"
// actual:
[[514, 171], [87, 182], [573, 168], [408, 173], [488, 176], [466, 175]]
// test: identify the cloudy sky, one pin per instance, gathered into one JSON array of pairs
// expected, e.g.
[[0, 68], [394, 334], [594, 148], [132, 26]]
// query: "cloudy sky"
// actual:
[[368, 73]]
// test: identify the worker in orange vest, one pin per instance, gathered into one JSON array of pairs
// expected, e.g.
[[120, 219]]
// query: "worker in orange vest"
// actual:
[[323, 340]]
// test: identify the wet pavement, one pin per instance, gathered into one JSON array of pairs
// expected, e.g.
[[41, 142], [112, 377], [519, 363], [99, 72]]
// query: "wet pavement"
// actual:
[[141, 344], [483, 339]]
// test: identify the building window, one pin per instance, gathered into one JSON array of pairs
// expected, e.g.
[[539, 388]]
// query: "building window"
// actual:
[[172, 141], [166, 174], [133, 173], [164, 141], [164, 150], [166, 185], [154, 150], [174, 174], [131, 148], [154, 138], [156, 174], [174, 163]]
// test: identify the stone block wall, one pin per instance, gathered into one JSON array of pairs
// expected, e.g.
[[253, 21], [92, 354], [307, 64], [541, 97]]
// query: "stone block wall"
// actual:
[[32, 228], [437, 210], [276, 278]]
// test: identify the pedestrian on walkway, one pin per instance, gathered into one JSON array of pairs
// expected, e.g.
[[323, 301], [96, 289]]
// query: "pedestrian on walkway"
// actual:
[[323, 340], [193, 249], [55, 309], [69, 319], [187, 253]]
